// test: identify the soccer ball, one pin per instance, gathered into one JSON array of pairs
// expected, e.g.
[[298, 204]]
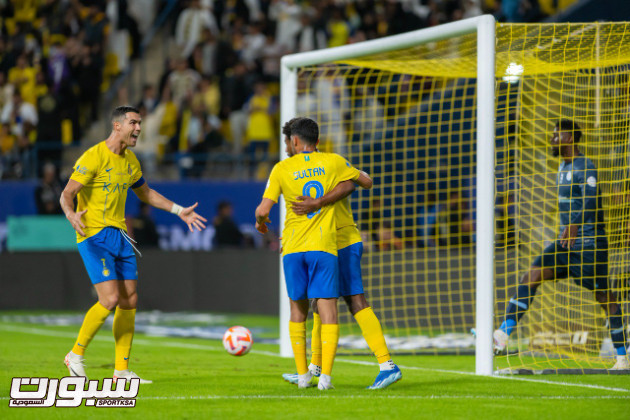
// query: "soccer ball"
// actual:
[[237, 340]]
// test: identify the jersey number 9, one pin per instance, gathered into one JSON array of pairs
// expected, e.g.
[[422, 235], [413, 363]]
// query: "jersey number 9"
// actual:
[[319, 191]]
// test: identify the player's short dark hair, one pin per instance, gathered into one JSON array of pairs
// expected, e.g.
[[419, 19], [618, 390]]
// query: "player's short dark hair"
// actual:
[[569, 126], [286, 128], [119, 113], [306, 129]]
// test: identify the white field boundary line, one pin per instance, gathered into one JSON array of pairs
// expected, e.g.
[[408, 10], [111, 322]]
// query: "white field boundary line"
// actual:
[[175, 344], [384, 397]]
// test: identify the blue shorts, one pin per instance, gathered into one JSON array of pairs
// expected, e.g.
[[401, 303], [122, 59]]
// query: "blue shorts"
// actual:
[[350, 279], [312, 274], [108, 256], [587, 266]]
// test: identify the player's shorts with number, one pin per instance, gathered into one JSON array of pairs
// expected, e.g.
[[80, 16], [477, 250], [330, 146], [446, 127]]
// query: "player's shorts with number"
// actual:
[[587, 265], [312, 274], [108, 256]]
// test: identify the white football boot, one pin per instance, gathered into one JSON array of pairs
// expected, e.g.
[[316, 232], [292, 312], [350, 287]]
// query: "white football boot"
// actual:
[[621, 363], [127, 374], [75, 364], [500, 339]]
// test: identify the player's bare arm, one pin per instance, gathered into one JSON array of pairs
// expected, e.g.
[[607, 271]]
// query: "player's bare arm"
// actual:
[[67, 205], [157, 200], [262, 215], [306, 205], [569, 234], [364, 180]]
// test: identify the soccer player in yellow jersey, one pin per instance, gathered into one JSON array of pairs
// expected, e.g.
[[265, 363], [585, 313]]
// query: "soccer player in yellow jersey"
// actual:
[[101, 179], [350, 250], [309, 243]]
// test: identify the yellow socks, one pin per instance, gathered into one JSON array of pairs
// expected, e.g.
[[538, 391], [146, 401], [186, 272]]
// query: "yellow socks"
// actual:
[[316, 341], [93, 321], [373, 333], [297, 334], [123, 328], [330, 338]]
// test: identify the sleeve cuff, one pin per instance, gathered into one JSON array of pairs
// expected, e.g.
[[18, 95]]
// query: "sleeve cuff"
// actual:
[[139, 183]]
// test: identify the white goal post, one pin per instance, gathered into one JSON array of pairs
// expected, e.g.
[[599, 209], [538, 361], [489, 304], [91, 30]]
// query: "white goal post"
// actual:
[[485, 27]]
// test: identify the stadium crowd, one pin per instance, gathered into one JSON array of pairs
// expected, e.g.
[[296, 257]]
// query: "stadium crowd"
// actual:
[[56, 57], [217, 98]]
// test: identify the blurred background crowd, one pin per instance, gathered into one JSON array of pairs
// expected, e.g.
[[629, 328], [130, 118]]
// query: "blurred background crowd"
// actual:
[[211, 97], [205, 75]]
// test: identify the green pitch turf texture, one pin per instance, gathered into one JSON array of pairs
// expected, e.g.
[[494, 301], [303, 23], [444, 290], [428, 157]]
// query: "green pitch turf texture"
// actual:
[[197, 379]]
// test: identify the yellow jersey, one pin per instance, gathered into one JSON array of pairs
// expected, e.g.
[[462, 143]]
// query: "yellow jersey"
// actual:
[[309, 174], [106, 178], [347, 231]]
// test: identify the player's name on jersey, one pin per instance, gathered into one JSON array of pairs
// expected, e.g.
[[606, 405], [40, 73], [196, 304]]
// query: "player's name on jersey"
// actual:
[[308, 173]]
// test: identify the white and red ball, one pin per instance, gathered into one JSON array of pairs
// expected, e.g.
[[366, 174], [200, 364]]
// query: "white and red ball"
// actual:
[[238, 340]]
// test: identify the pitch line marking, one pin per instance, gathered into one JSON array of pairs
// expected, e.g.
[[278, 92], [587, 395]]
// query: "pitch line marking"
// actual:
[[397, 397], [38, 331]]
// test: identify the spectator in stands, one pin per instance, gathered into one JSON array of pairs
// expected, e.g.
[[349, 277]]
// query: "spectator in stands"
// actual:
[[7, 143], [236, 88], [338, 29], [208, 96], [22, 76], [260, 130], [49, 138], [227, 233], [190, 25], [253, 44], [58, 69], [95, 25], [472, 8], [206, 54], [87, 70], [183, 82], [310, 37], [150, 140], [272, 52], [149, 98], [6, 90], [48, 193], [286, 14], [21, 115], [192, 141], [142, 228], [510, 9], [214, 139]]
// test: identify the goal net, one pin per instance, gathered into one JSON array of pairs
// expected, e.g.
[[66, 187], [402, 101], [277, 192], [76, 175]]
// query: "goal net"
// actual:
[[409, 114]]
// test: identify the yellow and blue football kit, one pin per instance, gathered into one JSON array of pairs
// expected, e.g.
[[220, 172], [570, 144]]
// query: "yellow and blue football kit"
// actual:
[[106, 178], [350, 250], [309, 242]]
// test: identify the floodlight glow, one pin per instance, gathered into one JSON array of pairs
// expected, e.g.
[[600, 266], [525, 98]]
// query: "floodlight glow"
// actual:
[[513, 73]]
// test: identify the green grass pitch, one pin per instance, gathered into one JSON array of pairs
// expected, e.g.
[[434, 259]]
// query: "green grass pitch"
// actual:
[[197, 379]]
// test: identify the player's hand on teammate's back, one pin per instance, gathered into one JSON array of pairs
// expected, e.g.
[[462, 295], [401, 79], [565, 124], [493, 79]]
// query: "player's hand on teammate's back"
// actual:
[[305, 205], [192, 219], [262, 227], [567, 240], [76, 222]]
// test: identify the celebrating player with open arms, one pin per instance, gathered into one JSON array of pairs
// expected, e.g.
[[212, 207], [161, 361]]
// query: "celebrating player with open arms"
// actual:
[[309, 243], [101, 179], [581, 249]]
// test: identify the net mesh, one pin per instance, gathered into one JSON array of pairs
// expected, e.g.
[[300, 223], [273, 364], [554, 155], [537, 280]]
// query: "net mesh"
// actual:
[[407, 117]]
